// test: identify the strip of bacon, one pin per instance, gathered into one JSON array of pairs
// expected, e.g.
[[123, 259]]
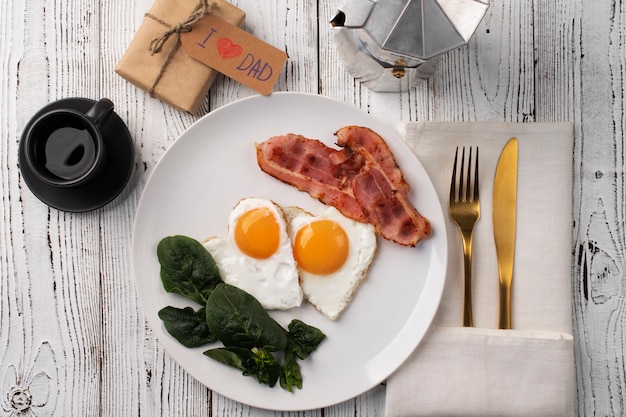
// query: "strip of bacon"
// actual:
[[389, 211], [374, 149], [381, 189], [311, 166], [362, 179]]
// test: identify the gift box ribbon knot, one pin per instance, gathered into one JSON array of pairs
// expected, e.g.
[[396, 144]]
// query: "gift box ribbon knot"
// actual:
[[156, 45]]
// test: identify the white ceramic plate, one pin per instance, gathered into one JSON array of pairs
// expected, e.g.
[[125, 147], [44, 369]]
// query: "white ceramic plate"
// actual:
[[213, 165]]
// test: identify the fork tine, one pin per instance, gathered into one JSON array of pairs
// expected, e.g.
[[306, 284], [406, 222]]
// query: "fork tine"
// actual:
[[453, 182], [476, 188], [462, 191], [468, 185]]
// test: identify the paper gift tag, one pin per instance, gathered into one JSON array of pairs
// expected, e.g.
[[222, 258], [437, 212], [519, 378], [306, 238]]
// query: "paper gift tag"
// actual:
[[235, 53]]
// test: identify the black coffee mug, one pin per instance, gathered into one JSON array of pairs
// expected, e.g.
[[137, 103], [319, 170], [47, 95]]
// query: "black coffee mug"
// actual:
[[64, 147]]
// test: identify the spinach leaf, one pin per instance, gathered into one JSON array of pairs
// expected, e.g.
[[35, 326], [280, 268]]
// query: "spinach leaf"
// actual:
[[304, 339], [258, 363], [186, 325], [290, 376], [238, 319], [232, 356], [187, 268]]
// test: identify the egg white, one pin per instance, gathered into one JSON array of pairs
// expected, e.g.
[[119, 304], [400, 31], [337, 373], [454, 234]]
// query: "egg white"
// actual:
[[273, 281], [330, 294]]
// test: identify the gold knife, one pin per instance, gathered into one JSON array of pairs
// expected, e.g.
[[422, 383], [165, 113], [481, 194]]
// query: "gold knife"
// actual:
[[504, 221]]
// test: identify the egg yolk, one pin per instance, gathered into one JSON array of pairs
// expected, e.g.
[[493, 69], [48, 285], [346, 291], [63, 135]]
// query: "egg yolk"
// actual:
[[321, 247], [257, 233]]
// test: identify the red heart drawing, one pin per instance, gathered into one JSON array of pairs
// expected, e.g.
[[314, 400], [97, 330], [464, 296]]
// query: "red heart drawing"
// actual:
[[227, 48]]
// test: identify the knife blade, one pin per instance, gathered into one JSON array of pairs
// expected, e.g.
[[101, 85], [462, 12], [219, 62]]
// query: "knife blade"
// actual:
[[504, 224]]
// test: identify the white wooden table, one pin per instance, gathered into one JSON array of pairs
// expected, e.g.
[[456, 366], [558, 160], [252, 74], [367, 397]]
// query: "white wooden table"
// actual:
[[67, 297]]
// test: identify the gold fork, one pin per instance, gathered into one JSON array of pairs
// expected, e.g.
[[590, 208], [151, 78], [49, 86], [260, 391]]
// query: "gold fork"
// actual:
[[465, 211]]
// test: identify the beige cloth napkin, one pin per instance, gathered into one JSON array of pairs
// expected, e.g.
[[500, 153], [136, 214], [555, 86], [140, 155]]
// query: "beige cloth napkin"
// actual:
[[483, 371]]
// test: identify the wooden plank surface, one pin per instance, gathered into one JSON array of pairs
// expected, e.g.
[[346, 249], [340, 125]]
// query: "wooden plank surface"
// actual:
[[72, 332], [599, 283]]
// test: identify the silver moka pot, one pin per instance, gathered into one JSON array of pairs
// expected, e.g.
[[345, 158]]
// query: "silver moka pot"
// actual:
[[390, 44]]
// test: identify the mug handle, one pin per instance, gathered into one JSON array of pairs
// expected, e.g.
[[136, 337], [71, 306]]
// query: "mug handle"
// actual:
[[100, 111]]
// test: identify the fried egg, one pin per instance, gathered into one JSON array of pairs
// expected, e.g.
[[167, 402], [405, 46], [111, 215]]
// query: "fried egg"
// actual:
[[333, 254], [257, 256]]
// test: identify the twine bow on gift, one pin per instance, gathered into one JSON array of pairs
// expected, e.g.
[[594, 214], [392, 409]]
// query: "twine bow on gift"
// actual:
[[156, 45]]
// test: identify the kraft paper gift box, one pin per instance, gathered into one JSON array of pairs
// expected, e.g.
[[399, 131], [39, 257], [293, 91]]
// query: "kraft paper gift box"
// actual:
[[170, 74]]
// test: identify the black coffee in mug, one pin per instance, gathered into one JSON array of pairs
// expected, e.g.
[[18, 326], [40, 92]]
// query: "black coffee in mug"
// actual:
[[69, 152], [65, 147]]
